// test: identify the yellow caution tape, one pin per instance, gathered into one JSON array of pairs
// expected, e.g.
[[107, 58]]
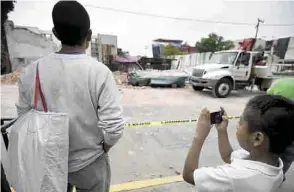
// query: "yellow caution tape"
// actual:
[[133, 185], [159, 123]]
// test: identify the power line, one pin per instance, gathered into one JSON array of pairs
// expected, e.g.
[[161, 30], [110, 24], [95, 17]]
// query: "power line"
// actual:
[[184, 19]]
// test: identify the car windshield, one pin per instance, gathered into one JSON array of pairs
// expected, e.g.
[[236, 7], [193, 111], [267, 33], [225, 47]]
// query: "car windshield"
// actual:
[[223, 58]]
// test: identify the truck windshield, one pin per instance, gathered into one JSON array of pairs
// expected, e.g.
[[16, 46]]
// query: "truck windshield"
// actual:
[[223, 57]]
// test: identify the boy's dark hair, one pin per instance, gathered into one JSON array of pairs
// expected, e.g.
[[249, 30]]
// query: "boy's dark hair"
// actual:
[[71, 22], [274, 116]]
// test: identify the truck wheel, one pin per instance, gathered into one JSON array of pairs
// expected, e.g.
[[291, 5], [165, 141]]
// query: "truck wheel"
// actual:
[[222, 88], [196, 88], [263, 84]]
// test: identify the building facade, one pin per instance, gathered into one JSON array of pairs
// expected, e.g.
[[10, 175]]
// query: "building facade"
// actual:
[[103, 47], [27, 44]]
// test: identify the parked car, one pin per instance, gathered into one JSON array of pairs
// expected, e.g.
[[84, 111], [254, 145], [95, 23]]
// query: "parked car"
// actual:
[[154, 78]]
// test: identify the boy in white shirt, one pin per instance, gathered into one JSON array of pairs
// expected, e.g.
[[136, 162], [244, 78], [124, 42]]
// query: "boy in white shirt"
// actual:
[[265, 130]]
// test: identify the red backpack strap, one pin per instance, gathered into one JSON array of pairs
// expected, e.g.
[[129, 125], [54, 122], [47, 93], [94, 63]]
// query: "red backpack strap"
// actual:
[[38, 91]]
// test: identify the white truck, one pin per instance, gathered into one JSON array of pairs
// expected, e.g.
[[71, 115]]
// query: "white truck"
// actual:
[[231, 70]]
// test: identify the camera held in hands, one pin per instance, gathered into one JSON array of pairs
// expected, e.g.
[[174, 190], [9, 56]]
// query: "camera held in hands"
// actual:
[[216, 117]]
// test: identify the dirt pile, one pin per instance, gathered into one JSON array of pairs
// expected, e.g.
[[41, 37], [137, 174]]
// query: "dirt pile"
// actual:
[[120, 78], [11, 78]]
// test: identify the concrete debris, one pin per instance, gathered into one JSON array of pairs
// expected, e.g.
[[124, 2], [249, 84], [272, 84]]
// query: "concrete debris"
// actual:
[[11, 78], [120, 78], [131, 87]]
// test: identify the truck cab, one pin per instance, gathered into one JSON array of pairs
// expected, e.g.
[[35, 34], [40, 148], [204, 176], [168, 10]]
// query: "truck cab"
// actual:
[[230, 70]]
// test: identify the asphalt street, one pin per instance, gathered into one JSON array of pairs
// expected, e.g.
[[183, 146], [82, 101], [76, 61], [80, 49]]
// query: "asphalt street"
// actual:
[[155, 152]]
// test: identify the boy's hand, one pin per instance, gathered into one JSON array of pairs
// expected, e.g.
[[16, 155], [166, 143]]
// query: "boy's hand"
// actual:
[[203, 125], [224, 124], [106, 147]]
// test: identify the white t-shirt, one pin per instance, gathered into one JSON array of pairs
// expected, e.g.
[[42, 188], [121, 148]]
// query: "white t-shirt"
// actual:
[[239, 176]]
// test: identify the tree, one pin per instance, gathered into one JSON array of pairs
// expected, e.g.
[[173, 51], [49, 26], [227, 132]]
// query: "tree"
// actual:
[[169, 50], [122, 53], [213, 43], [6, 8]]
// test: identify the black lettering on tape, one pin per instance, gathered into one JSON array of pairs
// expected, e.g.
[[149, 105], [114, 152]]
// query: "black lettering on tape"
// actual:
[[160, 122], [138, 124]]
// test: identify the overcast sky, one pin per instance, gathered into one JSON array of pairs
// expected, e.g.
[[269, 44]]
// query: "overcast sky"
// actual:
[[136, 32]]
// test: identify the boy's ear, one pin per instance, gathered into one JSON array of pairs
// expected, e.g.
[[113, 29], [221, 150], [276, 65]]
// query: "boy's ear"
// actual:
[[55, 33], [257, 138]]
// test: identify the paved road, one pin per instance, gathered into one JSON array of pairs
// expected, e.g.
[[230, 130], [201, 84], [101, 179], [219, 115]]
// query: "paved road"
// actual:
[[146, 153]]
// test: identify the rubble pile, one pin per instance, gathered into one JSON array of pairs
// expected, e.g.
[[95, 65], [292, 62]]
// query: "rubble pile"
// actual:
[[125, 86], [120, 78], [11, 78]]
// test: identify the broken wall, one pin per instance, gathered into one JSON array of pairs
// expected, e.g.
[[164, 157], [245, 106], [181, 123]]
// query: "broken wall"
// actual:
[[26, 46]]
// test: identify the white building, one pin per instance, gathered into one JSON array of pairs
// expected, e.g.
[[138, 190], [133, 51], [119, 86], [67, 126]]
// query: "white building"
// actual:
[[289, 56], [103, 47], [27, 44]]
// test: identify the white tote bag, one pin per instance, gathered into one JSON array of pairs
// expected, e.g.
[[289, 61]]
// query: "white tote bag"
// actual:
[[38, 149]]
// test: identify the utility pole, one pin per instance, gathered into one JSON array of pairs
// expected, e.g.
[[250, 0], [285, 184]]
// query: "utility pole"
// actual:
[[256, 33], [257, 26]]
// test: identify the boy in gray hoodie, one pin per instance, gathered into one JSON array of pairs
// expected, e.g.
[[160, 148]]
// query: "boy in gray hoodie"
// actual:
[[85, 89]]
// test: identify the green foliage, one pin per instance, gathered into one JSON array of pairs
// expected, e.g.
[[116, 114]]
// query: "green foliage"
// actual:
[[213, 43], [170, 50], [6, 7]]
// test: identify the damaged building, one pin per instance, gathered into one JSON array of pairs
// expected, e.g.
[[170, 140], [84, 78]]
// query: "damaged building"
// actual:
[[103, 47], [27, 44]]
